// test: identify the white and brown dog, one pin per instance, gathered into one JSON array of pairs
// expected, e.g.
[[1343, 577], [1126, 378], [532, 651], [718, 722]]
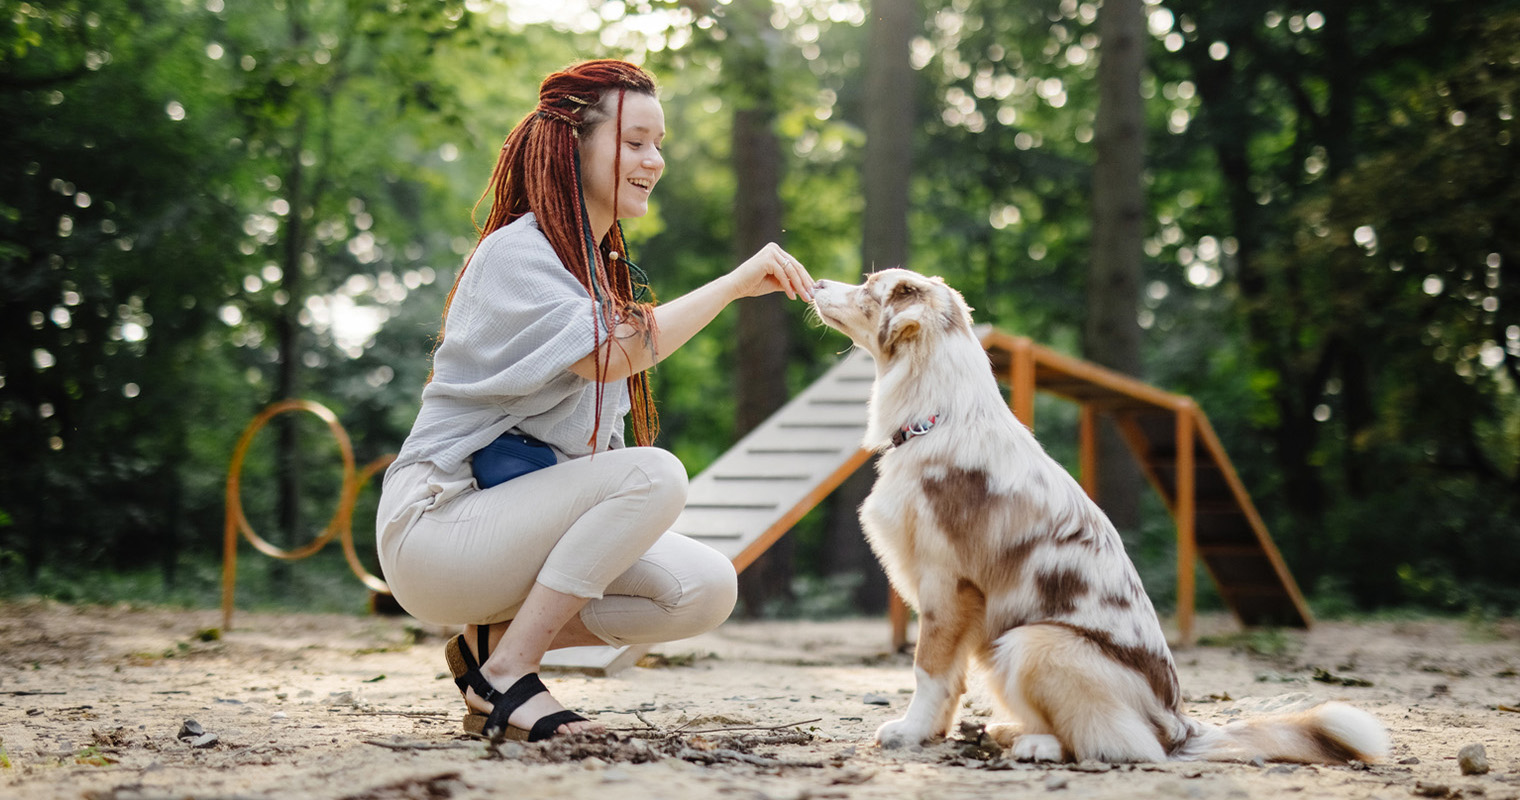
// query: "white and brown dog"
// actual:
[[1011, 565]]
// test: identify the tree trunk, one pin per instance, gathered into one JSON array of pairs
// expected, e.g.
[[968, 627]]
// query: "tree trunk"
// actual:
[[760, 377], [889, 116], [288, 336], [1111, 336]]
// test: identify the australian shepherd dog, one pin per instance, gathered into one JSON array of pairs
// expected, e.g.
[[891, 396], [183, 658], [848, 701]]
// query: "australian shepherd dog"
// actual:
[[1010, 565]]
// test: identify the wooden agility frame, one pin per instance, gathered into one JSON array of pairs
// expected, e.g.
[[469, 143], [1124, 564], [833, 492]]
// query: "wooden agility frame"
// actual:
[[1270, 596]]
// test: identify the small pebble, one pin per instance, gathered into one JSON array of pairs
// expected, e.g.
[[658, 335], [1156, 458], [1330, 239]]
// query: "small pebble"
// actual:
[[204, 740], [190, 730], [874, 699], [1055, 783], [1410, 761], [1473, 760], [277, 715]]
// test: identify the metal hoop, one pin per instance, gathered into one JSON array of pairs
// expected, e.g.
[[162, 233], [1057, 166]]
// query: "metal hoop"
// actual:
[[349, 551], [235, 474], [235, 521]]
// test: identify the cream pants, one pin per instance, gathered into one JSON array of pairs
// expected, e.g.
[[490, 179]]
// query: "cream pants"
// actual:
[[594, 527]]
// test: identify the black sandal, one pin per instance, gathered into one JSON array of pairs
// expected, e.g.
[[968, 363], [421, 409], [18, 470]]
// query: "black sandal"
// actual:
[[494, 726]]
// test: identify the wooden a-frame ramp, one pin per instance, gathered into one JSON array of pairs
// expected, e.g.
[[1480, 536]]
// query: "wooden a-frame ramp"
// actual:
[[756, 491]]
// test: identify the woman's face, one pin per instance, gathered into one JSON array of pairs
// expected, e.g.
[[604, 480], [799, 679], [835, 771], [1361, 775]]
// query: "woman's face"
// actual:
[[641, 162]]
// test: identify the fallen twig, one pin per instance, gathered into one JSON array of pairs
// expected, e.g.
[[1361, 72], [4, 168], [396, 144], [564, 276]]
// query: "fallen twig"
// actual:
[[419, 745], [725, 754], [413, 714], [682, 730]]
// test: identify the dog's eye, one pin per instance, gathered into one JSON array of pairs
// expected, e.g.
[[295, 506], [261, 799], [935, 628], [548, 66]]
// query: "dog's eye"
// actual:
[[904, 290]]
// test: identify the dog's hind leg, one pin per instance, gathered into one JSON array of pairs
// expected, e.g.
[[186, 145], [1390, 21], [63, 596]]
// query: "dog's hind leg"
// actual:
[[949, 625], [1062, 687]]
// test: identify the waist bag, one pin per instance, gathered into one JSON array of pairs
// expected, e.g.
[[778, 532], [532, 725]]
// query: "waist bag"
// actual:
[[511, 455]]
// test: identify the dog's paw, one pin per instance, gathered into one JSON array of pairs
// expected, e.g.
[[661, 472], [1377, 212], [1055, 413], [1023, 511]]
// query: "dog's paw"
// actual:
[[902, 733], [1037, 747], [1005, 733]]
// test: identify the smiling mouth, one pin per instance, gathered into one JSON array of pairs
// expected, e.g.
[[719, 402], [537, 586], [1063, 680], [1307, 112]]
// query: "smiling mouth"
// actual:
[[642, 183]]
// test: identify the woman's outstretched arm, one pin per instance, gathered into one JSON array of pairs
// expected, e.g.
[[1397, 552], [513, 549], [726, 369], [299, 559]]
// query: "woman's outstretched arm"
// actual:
[[628, 353]]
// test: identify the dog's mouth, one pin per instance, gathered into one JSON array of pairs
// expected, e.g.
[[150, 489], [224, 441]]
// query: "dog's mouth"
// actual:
[[824, 316]]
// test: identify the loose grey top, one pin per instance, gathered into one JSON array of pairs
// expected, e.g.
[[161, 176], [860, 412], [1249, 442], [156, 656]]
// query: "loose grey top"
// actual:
[[518, 320]]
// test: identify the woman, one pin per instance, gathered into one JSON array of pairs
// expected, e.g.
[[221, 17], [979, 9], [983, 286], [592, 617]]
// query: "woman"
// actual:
[[514, 508]]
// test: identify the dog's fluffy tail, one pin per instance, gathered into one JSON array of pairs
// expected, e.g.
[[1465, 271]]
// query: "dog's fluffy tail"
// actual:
[[1332, 733]]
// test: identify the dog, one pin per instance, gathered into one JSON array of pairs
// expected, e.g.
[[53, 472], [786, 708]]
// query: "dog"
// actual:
[[1011, 566]]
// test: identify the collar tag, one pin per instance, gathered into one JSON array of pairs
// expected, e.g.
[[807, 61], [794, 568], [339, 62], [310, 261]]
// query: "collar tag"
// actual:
[[912, 429]]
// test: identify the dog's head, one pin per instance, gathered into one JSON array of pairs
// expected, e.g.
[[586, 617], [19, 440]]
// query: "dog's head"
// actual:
[[896, 311]]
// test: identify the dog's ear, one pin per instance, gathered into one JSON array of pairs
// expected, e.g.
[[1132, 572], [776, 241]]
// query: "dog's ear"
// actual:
[[898, 326]]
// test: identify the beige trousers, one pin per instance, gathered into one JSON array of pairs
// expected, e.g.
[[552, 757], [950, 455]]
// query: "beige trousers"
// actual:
[[594, 527]]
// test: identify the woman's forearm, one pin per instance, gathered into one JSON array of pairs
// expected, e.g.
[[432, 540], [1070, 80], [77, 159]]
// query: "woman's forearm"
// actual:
[[631, 351]]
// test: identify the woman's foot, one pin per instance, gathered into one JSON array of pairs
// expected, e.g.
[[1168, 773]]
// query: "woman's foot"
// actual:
[[535, 708]]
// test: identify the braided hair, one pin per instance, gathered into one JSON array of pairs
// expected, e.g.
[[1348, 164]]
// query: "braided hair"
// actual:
[[539, 171]]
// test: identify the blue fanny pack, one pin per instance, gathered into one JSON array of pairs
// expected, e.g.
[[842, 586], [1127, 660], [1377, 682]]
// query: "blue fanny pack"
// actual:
[[512, 455]]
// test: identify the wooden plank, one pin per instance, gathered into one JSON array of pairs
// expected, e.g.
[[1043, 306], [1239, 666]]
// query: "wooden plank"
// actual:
[[1021, 381], [1087, 448], [1187, 554]]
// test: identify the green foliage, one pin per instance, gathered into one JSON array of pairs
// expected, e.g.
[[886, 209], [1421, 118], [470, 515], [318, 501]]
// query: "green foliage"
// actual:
[[194, 197]]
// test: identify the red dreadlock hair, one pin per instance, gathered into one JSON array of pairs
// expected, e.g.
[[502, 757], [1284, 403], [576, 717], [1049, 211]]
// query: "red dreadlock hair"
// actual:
[[539, 171]]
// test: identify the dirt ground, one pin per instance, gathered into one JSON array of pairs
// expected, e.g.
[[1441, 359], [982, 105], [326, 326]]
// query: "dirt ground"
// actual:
[[94, 703]]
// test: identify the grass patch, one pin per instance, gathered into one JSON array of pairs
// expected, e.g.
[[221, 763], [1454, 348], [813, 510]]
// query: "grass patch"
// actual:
[[1266, 642]]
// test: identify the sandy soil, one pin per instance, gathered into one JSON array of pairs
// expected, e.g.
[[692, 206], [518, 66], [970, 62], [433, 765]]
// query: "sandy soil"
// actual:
[[93, 702]]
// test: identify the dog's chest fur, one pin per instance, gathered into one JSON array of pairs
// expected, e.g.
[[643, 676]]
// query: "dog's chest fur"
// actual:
[[978, 501]]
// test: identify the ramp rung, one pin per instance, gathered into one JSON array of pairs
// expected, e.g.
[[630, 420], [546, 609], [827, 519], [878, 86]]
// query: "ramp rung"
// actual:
[[796, 451], [761, 477]]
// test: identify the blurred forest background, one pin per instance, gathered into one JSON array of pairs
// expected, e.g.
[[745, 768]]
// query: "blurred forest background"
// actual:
[[206, 206]]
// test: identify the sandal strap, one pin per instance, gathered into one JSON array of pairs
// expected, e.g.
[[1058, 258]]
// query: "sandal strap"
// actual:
[[549, 724], [504, 703]]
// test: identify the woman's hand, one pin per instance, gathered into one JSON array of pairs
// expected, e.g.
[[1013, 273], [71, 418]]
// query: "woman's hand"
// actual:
[[772, 269]]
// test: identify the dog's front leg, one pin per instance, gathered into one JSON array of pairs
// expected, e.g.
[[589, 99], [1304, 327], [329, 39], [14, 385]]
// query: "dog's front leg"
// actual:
[[950, 616]]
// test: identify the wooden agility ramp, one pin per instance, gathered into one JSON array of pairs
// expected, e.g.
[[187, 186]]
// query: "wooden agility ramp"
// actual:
[[757, 490]]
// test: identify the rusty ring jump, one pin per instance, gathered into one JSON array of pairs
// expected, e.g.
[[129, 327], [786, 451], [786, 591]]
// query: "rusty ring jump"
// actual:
[[340, 525]]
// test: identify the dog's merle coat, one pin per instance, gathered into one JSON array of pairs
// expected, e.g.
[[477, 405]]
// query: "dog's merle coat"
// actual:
[[1011, 566]]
